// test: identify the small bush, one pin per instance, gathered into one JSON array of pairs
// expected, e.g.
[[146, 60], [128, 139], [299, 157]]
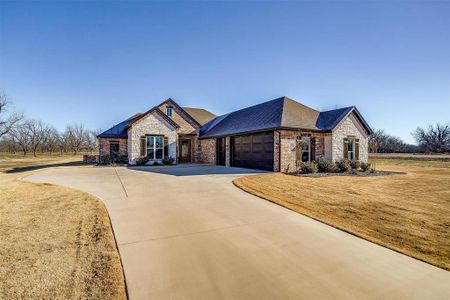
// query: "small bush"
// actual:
[[156, 163], [117, 158], [326, 166], [343, 165], [104, 159], [364, 166], [355, 164], [308, 167], [140, 161], [168, 160]]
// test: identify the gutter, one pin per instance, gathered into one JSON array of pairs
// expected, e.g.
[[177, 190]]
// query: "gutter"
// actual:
[[263, 130]]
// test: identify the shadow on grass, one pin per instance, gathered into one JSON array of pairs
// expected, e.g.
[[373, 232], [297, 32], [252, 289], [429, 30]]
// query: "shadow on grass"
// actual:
[[194, 169], [37, 167]]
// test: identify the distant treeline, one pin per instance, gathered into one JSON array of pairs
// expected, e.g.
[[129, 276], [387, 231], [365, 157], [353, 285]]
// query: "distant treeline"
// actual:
[[432, 139], [20, 134]]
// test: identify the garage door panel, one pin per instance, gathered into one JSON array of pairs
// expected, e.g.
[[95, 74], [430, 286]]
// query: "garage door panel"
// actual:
[[253, 151]]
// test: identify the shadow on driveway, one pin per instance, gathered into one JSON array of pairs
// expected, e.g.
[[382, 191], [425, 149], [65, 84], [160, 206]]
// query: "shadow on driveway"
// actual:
[[195, 169], [43, 166]]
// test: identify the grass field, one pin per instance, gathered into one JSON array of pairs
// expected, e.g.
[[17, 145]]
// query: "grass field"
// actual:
[[407, 213], [56, 243]]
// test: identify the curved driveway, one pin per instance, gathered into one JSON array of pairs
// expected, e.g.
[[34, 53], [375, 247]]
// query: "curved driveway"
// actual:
[[186, 232]]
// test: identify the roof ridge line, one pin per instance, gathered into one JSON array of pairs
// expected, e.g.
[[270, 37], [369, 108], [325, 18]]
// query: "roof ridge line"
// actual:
[[253, 105], [282, 109]]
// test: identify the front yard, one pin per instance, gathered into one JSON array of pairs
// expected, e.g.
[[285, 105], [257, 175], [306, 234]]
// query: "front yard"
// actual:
[[56, 243], [407, 213]]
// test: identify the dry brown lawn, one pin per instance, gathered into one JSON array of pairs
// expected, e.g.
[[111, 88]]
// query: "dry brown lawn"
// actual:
[[56, 243], [407, 213]]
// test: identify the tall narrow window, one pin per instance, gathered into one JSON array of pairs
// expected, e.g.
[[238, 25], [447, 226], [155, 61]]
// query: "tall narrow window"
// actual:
[[169, 112], [155, 147], [350, 147], [305, 144]]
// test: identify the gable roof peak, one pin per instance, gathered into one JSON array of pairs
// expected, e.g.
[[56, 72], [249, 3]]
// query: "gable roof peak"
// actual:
[[168, 100]]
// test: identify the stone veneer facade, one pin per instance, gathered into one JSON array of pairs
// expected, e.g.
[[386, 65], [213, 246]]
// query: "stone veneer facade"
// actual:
[[151, 124], [180, 117], [202, 151], [287, 150], [349, 127], [227, 151]]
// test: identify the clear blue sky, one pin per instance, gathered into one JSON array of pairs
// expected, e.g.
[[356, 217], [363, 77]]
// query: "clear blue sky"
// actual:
[[100, 62]]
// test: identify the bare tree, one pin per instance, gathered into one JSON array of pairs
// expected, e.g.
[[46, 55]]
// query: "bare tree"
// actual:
[[435, 138], [63, 142], [21, 136], [376, 139], [76, 137], [38, 132], [52, 140], [7, 120], [93, 143]]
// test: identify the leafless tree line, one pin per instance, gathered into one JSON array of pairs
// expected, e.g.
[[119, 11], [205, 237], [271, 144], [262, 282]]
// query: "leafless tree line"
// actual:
[[381, 142], [20, 134], [433, 139]]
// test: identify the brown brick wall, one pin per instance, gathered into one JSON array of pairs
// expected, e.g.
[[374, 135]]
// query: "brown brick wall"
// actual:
[[104, 145], [206, 151]]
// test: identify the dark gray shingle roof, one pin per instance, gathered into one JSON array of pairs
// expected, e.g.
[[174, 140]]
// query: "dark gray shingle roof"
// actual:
[[263, 116], [279, 113], [119, 130], [327, 120]]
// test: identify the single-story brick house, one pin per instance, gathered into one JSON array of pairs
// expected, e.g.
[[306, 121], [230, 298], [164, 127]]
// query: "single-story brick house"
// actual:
[[275, 135]]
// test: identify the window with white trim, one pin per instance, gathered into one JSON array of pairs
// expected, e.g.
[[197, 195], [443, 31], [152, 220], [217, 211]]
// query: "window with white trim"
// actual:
[[305, 143], [169, 112], [155, 147]]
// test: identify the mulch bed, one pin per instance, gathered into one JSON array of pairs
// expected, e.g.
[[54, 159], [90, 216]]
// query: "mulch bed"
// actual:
[[353, 173]]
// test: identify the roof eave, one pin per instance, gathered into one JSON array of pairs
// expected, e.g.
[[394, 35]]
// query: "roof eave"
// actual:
[[263, 130], [366, 125], [111, 137], [359, 116]]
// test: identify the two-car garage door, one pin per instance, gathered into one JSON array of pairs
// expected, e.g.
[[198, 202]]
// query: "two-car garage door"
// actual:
[[254, 151]]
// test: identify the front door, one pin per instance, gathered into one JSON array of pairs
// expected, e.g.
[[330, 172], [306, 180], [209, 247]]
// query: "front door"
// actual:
[[185, 150]]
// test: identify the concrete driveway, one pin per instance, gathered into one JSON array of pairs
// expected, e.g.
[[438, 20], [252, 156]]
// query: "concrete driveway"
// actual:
[[186, 232]]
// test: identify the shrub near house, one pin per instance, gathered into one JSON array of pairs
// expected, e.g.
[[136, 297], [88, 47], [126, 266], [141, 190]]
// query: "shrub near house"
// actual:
[[341, 166]]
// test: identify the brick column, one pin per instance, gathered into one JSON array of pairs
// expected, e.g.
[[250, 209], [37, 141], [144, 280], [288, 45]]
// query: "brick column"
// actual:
[[276, 151], [227, 151]]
